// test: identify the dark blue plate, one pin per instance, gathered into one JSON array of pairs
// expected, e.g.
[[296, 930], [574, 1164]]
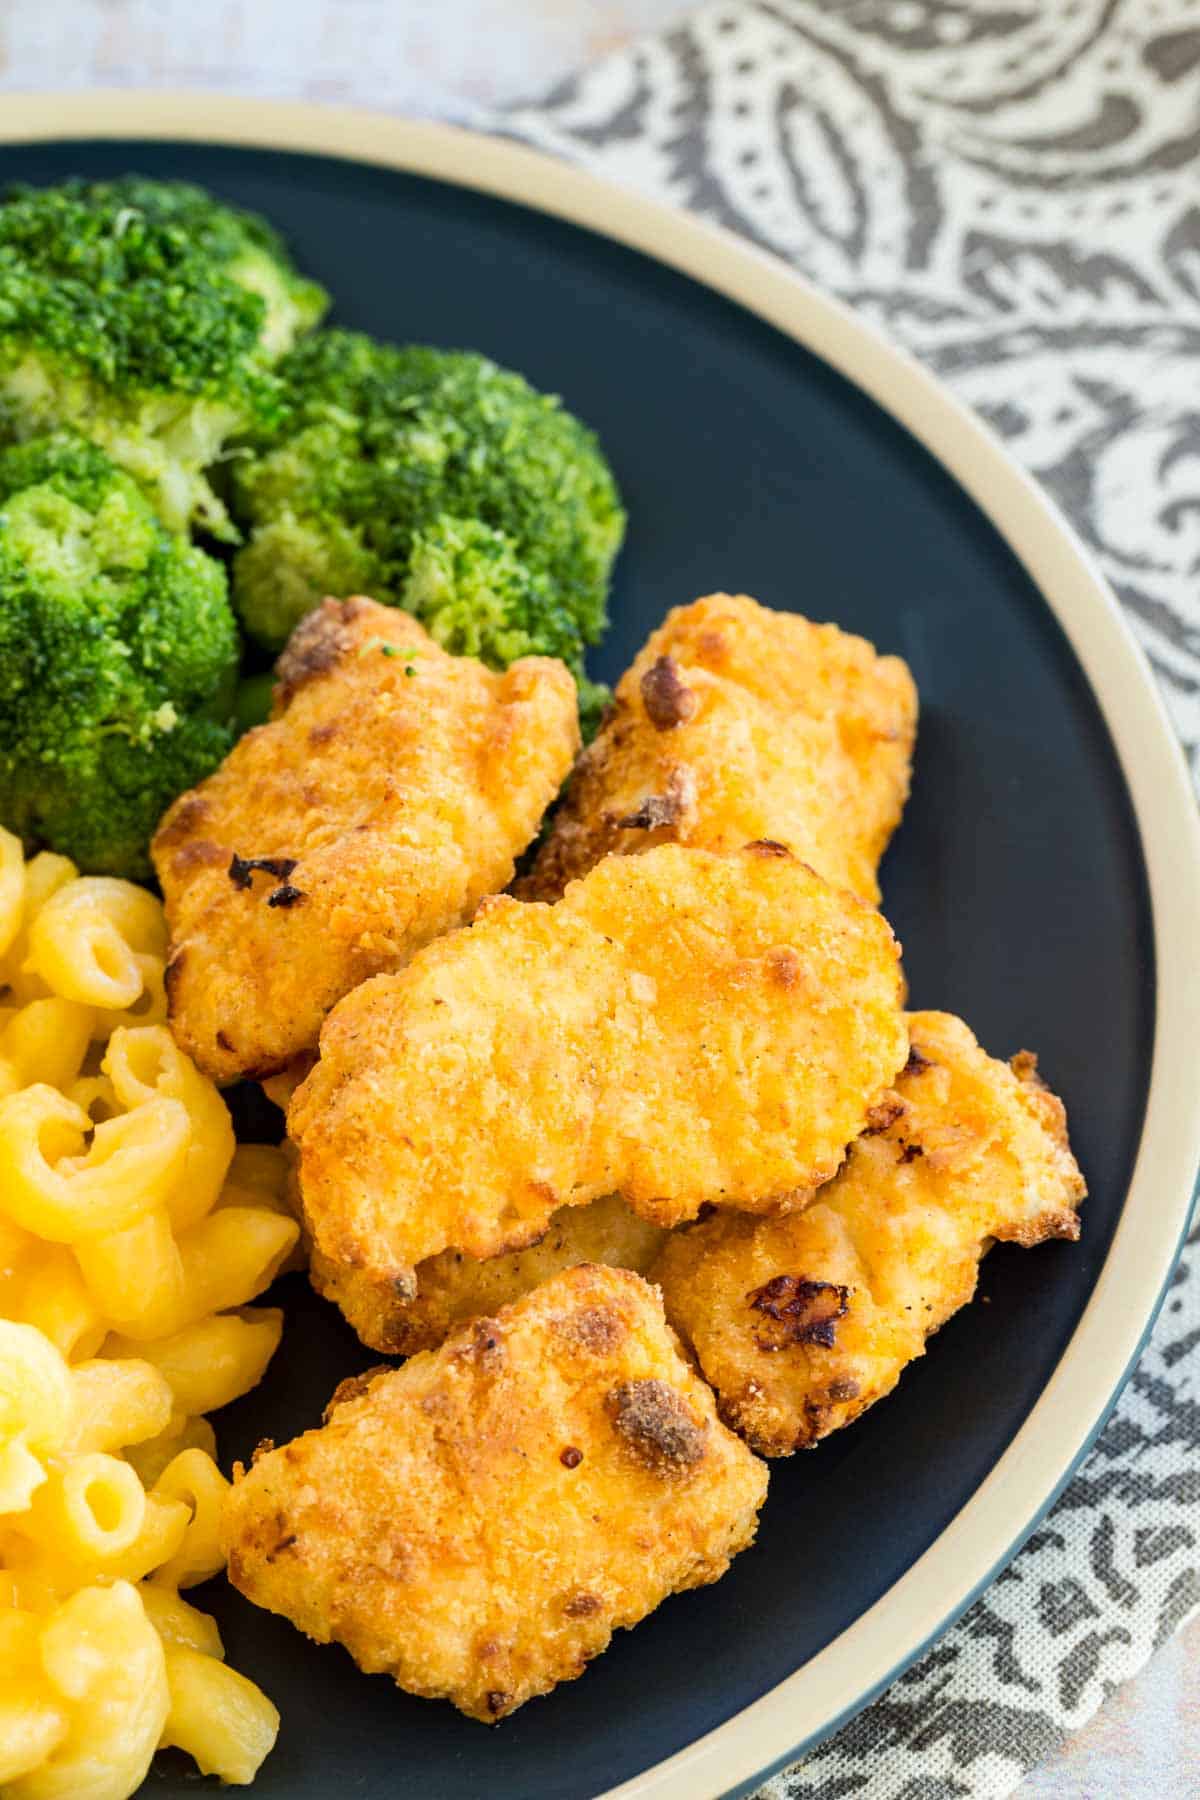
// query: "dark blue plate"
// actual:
[[1016, 885]]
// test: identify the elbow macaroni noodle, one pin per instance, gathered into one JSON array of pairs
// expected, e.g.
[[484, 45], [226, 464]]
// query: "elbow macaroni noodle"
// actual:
[[133, 1232]]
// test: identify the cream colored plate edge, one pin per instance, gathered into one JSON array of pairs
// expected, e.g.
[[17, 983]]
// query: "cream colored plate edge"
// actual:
[[1100, 1355]]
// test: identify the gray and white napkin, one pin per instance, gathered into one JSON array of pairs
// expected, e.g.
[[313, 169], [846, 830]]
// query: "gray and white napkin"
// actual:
[[1011, 189]]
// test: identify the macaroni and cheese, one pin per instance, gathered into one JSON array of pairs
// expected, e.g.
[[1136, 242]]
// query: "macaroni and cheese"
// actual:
[[133, 1234]]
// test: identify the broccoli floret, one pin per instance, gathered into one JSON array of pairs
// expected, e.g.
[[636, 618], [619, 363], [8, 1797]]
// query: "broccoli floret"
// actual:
[[145, 315], [432, 480], [475, 596], [472, 592], [118, 652]]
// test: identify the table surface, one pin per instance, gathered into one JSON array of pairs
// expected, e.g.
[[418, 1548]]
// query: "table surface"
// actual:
[[443, 58]]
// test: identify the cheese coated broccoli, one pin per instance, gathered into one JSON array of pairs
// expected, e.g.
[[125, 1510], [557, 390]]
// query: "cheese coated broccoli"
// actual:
[[147, 316], [118, 652]]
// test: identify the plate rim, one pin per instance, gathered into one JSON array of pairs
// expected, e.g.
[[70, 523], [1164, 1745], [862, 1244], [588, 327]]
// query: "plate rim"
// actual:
[[796, 1714]]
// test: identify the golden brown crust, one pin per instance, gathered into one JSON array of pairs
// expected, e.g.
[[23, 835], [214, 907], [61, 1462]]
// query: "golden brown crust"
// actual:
[[656, 1426], [734, 723], [635, 1038], [802, 1322], [478, 1523], [454, 1287], [390, 792], [320, 641]]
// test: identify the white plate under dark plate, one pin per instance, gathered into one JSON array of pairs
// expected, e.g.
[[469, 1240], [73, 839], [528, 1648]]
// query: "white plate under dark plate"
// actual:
[[1045, 884]]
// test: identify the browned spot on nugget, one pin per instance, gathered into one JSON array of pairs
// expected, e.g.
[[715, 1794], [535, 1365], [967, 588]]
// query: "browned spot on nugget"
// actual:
[[783, 966], [497, 1700], [201, 853], [668, 700], [884, 1114], [184, 818], [286, 896], [352, 1388], [917, 1061], [582, 1606], [653, 812], [815, 1426], [797, 1311], [224, 1041], [767, 847], [570, 1458], [323, 733], [844, 1389], [657, 812], [656, 1425], [593, 1328], [317, 643]]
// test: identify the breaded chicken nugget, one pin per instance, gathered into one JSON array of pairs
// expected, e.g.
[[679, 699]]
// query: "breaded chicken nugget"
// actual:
[[455, 1287], [478, 1523], [734, 723], [679, 1028], [390, 792], [737, 723], [802, 1322]]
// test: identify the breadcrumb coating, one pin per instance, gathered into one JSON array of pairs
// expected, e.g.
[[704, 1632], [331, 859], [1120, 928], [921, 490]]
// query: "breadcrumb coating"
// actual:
[[735, 723], [455, 1287], [391, 791], [681, 1028], [801, 1322], [478, 1523]]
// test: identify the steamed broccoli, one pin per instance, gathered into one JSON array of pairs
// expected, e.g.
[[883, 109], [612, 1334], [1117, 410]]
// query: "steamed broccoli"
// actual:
[[145, 315], [432, 480], [118, 651]]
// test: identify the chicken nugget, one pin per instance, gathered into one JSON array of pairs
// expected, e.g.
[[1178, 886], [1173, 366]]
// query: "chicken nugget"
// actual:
[[391, 791], [737, 723], [478, 1523], [802, 1322], [455, 1287], [734, 723], [680, 1028]]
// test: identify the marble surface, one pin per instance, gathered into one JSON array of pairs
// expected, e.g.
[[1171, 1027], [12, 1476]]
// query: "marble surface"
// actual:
[[1145, 1740], [444, 58], [431, 57]]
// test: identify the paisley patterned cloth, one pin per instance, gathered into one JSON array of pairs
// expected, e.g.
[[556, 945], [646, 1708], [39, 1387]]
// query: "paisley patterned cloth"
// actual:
[[1011, 188]]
